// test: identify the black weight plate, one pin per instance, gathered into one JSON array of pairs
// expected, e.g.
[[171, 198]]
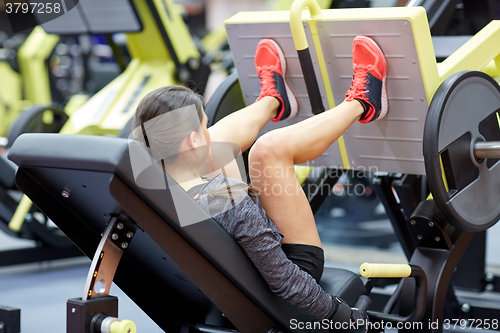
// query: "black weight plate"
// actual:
[[227, 99], [31, 121], [455, 121]]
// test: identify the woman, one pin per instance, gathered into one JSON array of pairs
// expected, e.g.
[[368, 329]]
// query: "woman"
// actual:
[[277, 231]]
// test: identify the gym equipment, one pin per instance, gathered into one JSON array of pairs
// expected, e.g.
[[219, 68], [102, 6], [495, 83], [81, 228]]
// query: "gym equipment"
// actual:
[[99, 190], [97, 315], [441, 22], [379, 144], [461, 158], [27, 107], [440, 13], [339, 218], [42, 118], [176, 262], [452, 23], [414, 75], [201, 256], [316, 182], [414, 69], [33, 67], [215, 42], [10, 319], [96, 311], [105, 183], [31, 85], [449, 180], [32, 111], [440, 236], [171, 58]]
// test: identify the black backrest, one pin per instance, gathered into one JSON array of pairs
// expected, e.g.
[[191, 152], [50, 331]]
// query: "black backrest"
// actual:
[[170, 271]]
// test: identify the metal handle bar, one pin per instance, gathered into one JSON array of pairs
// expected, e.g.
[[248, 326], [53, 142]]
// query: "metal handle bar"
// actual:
[[376, 270], [487, 149]]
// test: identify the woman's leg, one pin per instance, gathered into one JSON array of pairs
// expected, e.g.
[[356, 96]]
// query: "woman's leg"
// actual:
[[243, 126], [276, 101], [273, 156], [234, 134], [271, 165]]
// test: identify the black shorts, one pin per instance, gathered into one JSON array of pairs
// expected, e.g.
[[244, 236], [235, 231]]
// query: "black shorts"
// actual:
[[309, 258]]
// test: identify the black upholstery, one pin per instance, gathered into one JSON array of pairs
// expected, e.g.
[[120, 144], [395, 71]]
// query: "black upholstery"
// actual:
[[171, 272]]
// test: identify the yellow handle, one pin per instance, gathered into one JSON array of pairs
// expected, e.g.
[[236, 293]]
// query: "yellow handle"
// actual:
[[298, 33], [123, 326], [384, 270], [23, 208]]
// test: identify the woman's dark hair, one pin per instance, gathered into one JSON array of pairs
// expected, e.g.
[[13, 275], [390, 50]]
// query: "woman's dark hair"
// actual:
[[165, 99], [165, 134]]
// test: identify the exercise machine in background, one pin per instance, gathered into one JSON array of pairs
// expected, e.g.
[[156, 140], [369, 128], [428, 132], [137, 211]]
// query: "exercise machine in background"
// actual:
[[162, 53]]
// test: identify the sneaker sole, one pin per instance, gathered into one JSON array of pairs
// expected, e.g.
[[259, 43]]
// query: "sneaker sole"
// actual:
[[383, 99], [291, 97]]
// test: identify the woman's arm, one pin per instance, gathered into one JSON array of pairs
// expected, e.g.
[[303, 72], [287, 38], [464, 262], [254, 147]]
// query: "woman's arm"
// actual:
[[250, 229]]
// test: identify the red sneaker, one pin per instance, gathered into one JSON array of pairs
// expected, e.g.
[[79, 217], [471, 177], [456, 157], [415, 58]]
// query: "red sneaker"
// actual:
[[369, 79], [270, 66]]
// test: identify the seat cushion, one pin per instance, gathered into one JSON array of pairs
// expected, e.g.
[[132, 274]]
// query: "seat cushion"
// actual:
[[344, 284]]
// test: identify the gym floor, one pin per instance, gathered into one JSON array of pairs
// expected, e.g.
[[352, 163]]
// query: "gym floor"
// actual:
[[41, 290]]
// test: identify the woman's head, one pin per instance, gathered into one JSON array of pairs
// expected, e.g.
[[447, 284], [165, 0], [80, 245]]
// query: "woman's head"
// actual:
[[171, 120]]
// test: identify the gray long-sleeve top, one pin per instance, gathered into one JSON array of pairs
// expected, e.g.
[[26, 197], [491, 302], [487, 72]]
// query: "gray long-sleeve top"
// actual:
[[246, 221]]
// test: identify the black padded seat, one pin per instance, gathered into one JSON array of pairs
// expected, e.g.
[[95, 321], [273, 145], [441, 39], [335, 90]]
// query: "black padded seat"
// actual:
[[173, 273]]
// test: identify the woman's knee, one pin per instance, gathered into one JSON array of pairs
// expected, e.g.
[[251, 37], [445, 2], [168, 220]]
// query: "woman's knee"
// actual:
[[267, 148]]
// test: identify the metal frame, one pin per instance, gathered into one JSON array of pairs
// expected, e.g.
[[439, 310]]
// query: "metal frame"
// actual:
[[439, 266], [115, 239], [384, 186], [459, 270]]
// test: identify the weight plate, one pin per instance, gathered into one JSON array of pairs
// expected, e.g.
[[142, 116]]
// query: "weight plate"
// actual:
[[34, 120], [464, 110]]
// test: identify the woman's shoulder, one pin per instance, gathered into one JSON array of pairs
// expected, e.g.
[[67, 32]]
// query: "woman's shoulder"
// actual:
[[220, 194], [221, 182], [221, 179]]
